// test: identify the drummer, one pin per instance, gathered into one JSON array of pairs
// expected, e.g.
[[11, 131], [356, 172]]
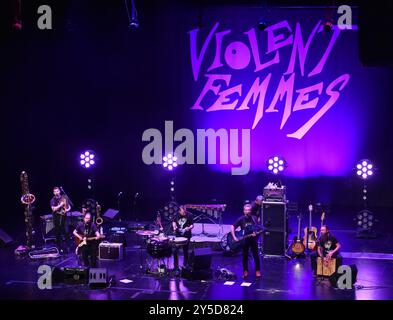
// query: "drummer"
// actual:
[[182, 225]]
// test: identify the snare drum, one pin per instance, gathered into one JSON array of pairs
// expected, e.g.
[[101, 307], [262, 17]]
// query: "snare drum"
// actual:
[[179, 241], [159, 247]]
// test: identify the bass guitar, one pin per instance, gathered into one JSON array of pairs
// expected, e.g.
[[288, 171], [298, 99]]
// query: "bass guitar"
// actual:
[[297, 246], [233, 246]]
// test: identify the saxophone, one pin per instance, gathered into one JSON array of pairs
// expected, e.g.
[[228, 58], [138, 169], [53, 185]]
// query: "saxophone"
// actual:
[[99, 220], [27, 199]]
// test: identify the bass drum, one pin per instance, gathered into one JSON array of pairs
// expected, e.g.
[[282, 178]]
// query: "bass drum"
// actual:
[[159, 248]]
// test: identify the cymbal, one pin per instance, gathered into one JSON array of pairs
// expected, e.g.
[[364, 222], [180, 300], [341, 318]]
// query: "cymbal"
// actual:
[[147, 233]]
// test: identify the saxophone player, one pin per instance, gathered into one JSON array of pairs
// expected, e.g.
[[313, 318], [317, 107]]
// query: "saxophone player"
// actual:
[[60, 206]]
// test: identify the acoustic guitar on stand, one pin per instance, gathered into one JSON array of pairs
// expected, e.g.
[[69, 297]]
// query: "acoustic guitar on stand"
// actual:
[[310, 233]]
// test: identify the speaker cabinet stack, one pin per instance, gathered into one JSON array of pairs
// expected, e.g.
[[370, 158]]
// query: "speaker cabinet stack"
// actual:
[[275, 223]]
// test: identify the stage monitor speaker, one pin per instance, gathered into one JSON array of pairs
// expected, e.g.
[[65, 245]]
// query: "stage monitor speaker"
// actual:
[[335, 276], [274, 215], [70, 275], [98, 277], [200, 259], [376, 33], [274, 243], [5, 239]]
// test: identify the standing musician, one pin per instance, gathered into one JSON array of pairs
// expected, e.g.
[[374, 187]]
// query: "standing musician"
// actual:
[[256, 209], [248, 224], [60, 206], [88, 231], [327, 248], [182, 225]]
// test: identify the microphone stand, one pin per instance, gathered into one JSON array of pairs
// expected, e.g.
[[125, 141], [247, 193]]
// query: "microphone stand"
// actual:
[[134, 218]]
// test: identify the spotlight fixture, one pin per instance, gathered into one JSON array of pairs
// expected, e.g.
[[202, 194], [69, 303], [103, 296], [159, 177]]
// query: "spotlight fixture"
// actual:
[[364, 169], [328, 26], [169, 161], [262, 25], [132, 16], [169, 210], [276, 165], [365, 220], [87, 159]]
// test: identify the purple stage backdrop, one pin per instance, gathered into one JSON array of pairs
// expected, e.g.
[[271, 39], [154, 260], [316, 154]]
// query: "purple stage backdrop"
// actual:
[[301, 90]]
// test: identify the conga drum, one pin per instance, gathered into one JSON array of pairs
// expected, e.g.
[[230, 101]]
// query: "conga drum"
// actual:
[[326, 267]]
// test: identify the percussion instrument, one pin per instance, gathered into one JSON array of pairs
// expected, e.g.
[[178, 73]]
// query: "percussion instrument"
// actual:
[[147, 233], [159, 247], [179, 241], [326, 267]]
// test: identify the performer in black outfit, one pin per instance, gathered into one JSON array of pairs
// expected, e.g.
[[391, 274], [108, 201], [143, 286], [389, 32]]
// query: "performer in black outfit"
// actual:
[[248, 224], [88, 230], [60, 206], [327, 247], [182, 225], [256, 209]]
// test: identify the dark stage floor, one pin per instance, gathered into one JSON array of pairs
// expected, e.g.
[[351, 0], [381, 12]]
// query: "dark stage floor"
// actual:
[[281, 278]]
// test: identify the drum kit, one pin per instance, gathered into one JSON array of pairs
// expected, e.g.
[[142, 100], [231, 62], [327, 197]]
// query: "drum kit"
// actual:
[[159, 247]]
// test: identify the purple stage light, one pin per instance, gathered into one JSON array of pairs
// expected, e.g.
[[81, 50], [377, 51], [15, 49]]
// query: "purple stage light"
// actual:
[[169, 161], [364, 169], [87, 159], [276, 164]]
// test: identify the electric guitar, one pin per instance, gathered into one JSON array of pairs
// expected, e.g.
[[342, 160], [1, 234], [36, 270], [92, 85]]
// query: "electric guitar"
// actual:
[[80, 243], [297, 246], [181, 232]]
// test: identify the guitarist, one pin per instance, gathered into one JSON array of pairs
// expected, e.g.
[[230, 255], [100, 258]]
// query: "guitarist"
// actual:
[[327, 248], [87, 230], [182, 225], [60, 206], [248, 224]]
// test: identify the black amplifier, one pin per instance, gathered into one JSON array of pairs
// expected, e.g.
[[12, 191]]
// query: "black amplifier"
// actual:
[[71, 275], [274, 194], [111, 251]]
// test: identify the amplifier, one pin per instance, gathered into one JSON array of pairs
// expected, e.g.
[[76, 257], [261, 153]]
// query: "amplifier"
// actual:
[[75, 275], [110, 251], [274, 243], [274, 215]]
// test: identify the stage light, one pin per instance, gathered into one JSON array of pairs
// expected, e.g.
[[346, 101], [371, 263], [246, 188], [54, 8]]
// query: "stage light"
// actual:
[[262, 24], [364, 169], [132, 16], [276, 165], [169, 161], [169, 211], [87, 159], [365, 221], [328, 26]]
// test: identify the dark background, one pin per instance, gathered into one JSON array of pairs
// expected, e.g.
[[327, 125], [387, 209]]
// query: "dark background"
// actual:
[[92, 83]]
